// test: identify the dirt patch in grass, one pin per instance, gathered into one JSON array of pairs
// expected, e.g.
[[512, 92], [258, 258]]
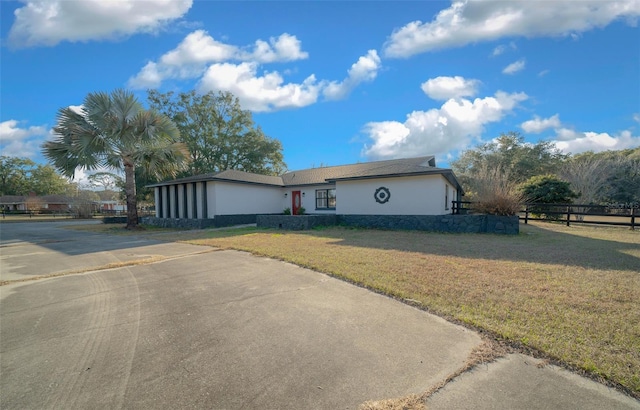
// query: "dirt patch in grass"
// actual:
[[413, 402], [488, 351], [572, 293]]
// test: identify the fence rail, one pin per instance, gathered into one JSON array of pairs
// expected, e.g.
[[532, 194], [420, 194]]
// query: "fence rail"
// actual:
[[614, 215], [32, 214]]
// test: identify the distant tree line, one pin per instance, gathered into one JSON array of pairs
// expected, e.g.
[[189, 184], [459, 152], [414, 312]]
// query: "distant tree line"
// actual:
[[22, 176], [541, 173]]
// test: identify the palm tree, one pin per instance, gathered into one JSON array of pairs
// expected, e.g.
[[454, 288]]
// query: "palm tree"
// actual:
[[114, 131]]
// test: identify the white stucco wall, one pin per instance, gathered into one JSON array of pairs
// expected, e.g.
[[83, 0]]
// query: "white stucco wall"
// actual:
[[189, 201], [156, 191], [179, 202], [419, 195], [172, 197], [243, 199], [165, 206], [199, 200]]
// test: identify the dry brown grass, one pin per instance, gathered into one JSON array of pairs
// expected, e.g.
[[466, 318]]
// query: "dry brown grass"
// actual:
[[413, 402], [16, 218], [493, 193], [570, 292]]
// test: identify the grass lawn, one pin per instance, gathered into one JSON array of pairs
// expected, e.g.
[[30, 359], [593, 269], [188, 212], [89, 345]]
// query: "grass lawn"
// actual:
[[572, 293], [8, 218]]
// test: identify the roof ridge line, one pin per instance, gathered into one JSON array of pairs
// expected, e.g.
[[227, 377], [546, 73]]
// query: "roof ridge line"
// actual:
[[361, 163]]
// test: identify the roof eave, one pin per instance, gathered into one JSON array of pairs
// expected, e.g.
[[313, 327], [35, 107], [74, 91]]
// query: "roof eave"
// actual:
[[247, 182], [211, 178]]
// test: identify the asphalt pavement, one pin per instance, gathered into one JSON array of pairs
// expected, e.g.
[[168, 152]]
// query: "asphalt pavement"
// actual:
[[195, 327]]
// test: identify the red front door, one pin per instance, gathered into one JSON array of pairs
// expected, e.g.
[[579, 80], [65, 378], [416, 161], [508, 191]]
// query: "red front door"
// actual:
[[296, 202]]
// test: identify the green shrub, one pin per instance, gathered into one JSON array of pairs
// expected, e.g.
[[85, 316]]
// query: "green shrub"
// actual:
[[547, 189], [287, 211]]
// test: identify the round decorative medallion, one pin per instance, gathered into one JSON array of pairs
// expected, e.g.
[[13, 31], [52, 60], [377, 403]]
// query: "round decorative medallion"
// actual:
[[382, 195]]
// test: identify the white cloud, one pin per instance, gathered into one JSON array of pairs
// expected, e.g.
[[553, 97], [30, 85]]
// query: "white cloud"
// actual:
[[571, 141], [198, 49], [265, 92], [502, 48], [444, 88], [636, 117], [440, 130], [284, 48], [514, 67], [78, 109], [543, 73], [17, 141], [148, 77], [466, 22], [568, 134], [49, 22], [225, 67], [499, 50], [574, 142], [365, 69], [537, 124]]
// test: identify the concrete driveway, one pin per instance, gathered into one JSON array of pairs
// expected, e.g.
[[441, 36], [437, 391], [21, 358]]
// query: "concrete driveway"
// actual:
[[227, 330]]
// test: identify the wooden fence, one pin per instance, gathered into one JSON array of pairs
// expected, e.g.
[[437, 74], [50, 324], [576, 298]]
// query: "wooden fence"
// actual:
[[615, 215]]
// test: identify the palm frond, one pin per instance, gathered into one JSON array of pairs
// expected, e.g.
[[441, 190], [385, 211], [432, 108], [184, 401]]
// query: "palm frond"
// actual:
[[111, 130], [77, 143]]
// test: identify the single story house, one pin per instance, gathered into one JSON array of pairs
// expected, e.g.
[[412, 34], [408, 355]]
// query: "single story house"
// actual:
[[25, 203], [411, 186], [111, 206]]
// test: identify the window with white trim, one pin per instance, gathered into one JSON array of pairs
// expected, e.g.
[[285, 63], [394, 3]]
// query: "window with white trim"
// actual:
[[446, 196], [326, 198]]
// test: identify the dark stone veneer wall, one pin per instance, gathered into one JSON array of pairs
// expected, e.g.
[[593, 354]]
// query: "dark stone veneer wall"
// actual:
[[295, 223], [509, 225], [217, 222]]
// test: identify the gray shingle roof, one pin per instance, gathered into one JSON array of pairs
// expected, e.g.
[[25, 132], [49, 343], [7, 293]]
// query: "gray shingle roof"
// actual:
[[392, 167], [11, 199], [241, 176], [228, 175], [324, 175]]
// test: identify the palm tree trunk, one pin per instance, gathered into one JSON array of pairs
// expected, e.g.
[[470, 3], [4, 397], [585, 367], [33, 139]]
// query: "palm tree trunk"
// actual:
[[130, 194]]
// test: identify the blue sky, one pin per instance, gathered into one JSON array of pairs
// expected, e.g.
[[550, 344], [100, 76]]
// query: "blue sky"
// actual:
[[339, 82]]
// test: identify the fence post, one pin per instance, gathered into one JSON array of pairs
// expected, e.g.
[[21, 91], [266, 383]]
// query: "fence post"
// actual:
[[633, 218], [568, 215], [526, 214]]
